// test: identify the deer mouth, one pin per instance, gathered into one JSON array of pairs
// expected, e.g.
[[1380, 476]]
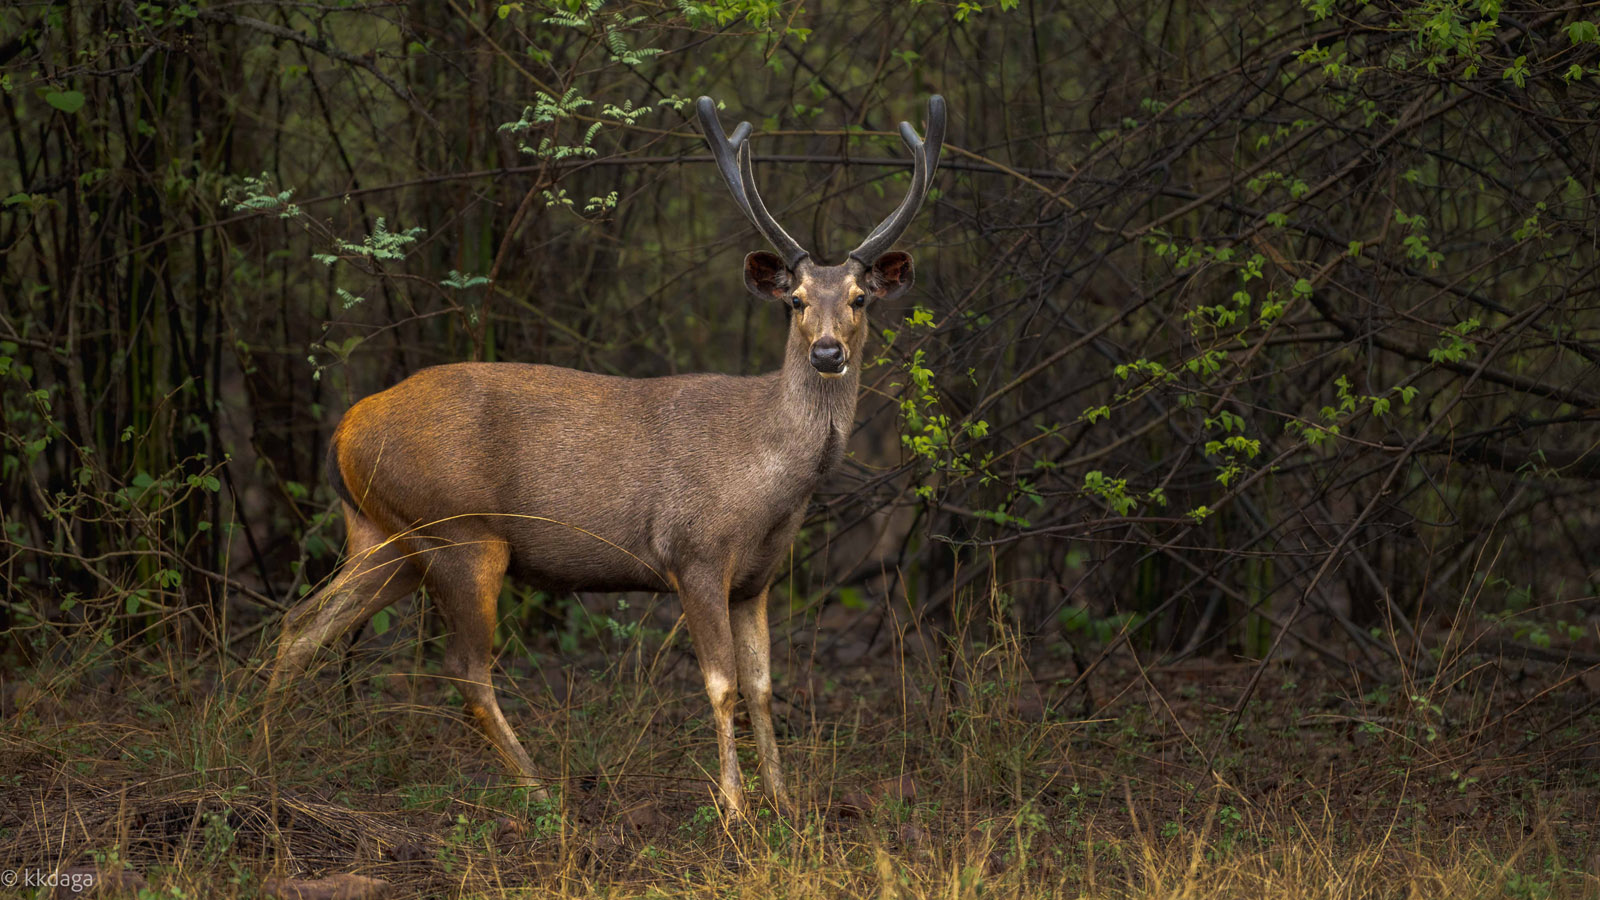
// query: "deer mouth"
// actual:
[[836, 373]]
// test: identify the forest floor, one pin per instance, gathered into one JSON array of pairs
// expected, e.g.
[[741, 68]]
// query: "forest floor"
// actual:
[[921, 769]]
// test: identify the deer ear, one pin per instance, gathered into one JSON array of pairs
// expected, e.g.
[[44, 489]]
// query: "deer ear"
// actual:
[[890, 275], [766, 276]]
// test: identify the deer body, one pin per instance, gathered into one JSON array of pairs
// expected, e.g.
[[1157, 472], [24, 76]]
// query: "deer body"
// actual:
[[693, 484], [617, 484]]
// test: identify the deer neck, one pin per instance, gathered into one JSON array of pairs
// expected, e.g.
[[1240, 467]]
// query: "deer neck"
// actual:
[[813, 415]]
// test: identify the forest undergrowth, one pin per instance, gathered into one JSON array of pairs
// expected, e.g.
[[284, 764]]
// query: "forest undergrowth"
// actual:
[[921, 767]]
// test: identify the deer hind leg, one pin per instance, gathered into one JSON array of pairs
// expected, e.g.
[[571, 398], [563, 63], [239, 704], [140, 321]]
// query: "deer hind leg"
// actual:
[[376, 573], [752, 648], [464, 578], [705, 605]]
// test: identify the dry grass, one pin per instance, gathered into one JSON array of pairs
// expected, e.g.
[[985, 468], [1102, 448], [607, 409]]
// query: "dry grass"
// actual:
[[926, 769]]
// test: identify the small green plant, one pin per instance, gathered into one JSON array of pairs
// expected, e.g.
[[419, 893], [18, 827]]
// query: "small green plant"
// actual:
[[219, 837], [464, 835], [704, 819], [545, 813]]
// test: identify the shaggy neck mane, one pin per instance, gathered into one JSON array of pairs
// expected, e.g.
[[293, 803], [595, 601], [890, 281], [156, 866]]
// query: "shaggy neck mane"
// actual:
[[813, 415]]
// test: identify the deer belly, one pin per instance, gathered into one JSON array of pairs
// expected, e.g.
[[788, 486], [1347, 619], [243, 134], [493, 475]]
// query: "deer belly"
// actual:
[[564, 555]]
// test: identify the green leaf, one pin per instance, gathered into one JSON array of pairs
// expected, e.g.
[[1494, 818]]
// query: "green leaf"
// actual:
[[1582, 32], [1073, 618], [1517, 72], [67, 101], [344, 347]]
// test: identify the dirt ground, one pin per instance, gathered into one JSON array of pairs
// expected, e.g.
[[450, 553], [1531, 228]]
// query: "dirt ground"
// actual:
[[921, 767]]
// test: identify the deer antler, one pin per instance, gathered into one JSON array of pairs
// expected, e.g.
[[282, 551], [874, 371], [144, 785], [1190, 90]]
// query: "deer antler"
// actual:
[[737, 175], [926, 160], [733, 162]]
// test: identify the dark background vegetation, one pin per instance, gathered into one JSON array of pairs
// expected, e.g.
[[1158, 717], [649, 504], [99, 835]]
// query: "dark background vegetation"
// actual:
[[1242, 331]]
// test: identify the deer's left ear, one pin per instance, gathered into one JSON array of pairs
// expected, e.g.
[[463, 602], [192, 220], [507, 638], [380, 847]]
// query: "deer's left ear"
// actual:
[[890, 275]]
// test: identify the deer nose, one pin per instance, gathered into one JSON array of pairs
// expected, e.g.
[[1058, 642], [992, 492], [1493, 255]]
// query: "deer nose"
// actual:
[[827, 355]]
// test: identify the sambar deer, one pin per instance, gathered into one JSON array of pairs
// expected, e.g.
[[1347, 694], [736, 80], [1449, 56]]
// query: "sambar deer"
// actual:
[[693, 484]]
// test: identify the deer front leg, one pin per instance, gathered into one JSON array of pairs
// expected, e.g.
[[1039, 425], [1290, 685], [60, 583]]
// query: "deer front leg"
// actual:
[[705, 605], [752, 647]]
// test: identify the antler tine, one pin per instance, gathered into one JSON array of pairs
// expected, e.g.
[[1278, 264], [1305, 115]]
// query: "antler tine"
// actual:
[[925, 157], [740, 184], [787, 247], [723, 148], [919, 174]]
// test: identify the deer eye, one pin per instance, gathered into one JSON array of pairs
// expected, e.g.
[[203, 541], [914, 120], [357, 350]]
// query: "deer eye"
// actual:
[[796, 302], [859, 301]]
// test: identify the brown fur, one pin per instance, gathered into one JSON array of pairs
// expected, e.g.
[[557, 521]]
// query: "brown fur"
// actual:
[[694, 484]]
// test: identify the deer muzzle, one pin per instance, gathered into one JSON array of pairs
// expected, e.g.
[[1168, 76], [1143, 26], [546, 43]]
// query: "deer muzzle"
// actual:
[[828, 356]]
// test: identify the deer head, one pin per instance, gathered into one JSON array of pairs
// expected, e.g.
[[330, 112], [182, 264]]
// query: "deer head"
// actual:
[[827, 304]]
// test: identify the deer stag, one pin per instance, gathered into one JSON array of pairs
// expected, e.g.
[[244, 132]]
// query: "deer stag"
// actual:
[[694, 484]]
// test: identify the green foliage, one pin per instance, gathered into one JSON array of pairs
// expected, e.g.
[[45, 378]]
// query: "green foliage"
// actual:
[[1114, 491], [930, 435], [461, 282], [1075, 620], [548, 110], [382, 245], [758, 14], [255, 194], [68, 102], [1453, 345]]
